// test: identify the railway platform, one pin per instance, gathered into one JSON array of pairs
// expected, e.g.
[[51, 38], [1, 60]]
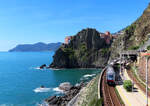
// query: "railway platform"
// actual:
[[135, 98]]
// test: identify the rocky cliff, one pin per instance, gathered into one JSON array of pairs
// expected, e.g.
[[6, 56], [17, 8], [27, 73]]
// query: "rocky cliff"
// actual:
[[85, 50], [137, 33], [134, 36]]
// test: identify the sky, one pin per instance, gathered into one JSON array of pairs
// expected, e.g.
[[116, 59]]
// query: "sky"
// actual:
[[32, 21]]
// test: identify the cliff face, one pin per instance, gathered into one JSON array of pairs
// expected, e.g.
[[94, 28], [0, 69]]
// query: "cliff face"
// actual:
[[85, 50], [134, 36], [142, 72], [137, 33]]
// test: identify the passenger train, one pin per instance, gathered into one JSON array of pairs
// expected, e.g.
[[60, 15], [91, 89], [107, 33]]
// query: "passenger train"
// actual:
[[110, 75]]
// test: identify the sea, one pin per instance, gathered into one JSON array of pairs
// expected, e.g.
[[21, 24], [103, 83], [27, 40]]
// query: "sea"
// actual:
[[20, 78]]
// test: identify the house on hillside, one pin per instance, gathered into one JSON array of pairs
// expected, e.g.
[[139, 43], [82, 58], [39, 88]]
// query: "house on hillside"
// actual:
[[67, 39], [107, 36]]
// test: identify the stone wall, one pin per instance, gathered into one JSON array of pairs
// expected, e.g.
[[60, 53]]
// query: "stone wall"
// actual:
[[142, 69]]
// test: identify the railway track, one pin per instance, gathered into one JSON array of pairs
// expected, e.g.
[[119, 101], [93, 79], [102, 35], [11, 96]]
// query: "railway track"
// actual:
[[109, 94], [137, 82]]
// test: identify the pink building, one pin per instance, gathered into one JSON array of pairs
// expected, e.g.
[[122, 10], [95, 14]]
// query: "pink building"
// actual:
[[107, 36], [67, 39], [107, 33]]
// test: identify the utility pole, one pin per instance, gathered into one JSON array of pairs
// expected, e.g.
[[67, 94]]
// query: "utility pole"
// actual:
[[120, 57], [147, 55], [147, 80]]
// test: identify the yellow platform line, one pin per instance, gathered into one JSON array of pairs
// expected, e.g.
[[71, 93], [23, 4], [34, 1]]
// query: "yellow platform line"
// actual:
[[124, 97], [139, 90], [142, 93]]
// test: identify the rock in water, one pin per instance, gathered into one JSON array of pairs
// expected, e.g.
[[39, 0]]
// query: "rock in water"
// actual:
[[63, 100], [42, 66], [87, 49], [65, 86]]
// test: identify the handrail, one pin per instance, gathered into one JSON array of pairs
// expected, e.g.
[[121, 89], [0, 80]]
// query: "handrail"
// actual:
[[71, 103], [73, 100], [99, 83]]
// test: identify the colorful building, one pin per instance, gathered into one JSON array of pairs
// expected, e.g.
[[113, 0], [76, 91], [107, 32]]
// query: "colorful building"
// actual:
[[107, 36], [67, 39]]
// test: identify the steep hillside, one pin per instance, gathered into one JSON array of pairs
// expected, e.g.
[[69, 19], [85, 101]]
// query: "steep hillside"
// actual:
[[137, 33], [85, 50], [134, 36]]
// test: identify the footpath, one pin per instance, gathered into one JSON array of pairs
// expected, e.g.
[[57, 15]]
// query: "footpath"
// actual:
[[135, 98]]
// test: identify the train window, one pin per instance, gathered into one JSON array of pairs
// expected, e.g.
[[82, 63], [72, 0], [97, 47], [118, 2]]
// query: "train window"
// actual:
[[110, 76]]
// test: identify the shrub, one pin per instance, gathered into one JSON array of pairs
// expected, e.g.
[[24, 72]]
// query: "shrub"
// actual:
[[127, 85], [104, 51], [130, 29], [69, 52], [83, 52], [134, 47], [83, 49], [148, 47], [96, 102]]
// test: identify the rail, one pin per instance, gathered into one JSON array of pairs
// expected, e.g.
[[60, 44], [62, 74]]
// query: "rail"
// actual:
[[100, 83], [107, 92], [109, 95]]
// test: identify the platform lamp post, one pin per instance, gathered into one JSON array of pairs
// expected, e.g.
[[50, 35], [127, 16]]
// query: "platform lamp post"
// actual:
[[121, 57], [147, 55]]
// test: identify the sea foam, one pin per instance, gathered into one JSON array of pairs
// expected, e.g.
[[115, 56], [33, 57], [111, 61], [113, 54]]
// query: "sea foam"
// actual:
[[89, 75], [42, 90], [6, 104], [42, 104], [58, 90], [37, 68]]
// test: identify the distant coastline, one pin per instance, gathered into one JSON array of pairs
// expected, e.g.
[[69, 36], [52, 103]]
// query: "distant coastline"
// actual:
[[75, 68], [37, 47]]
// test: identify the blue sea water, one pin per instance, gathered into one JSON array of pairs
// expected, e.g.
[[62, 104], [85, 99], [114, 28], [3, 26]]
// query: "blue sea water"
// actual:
[[19, 78]]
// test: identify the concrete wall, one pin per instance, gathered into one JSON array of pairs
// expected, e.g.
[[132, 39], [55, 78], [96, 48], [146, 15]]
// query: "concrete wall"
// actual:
[[142, 68]]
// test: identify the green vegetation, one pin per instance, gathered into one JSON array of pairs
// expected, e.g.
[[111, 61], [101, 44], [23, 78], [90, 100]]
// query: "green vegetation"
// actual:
[[127, 85], [83, 48], [133, 47], [148, 47], [96, 102], [92, 96], [121, 101], [104, 51], [137, 47], [142, 42], [89, 97], [133, 69], [82, 52], [131, 38], [70, 52], [130, 29]]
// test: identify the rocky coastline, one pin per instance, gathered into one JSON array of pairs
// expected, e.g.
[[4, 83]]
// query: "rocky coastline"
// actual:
[[70, 92], [44, 66]]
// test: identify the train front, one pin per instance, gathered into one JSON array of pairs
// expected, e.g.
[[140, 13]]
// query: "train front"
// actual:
[[110, 75]]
